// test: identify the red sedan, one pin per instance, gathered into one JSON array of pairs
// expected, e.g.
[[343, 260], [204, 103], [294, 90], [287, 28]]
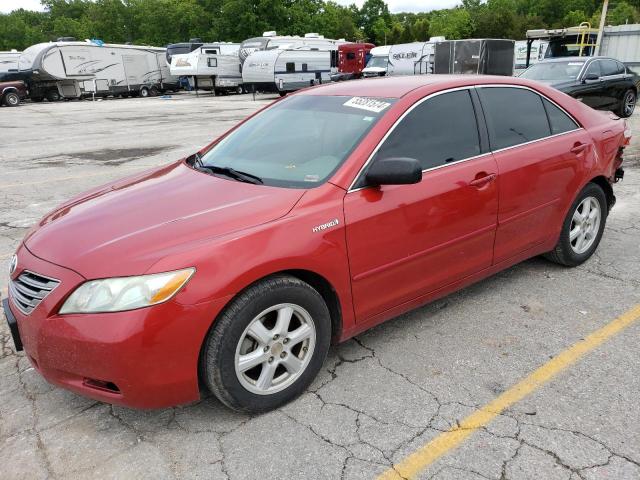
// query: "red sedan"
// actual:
[[324, 214]]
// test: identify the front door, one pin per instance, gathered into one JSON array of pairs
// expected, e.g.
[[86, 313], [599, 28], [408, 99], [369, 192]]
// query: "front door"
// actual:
[[407, 240]]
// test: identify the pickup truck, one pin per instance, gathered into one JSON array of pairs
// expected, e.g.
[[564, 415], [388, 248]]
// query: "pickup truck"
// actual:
[[11, 93]]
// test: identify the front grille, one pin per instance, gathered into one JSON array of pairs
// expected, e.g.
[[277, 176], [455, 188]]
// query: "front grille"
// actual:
[[29, 289]]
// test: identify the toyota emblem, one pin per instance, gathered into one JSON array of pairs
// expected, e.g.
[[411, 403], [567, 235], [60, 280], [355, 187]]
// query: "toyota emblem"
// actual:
[[13, 265]]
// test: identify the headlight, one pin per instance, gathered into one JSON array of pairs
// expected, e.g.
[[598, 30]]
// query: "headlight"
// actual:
[[125, 293]]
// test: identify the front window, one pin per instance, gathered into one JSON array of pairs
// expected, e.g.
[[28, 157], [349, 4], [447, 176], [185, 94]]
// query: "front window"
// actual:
[[378, 62], [553, 71], [300, 141]]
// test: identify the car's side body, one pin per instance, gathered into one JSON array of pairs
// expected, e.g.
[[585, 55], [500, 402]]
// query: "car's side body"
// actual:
[[372, 252]]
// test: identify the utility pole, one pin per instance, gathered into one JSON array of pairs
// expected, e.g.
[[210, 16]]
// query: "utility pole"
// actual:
[[603, 19]]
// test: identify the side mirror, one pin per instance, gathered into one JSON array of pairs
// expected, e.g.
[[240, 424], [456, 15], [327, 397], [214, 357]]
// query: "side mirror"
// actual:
[[394, 171], [591, 77]]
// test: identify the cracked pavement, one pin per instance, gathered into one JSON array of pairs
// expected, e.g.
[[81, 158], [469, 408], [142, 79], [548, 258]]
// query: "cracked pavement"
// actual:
[[380, 396]]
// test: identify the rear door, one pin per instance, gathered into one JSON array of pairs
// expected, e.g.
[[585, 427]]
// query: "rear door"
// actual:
[[405, 241], [538, 148], [613, 81]]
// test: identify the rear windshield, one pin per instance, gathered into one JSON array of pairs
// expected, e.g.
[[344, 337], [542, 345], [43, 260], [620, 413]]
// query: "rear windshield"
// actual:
[[553, 71], [300, 141]]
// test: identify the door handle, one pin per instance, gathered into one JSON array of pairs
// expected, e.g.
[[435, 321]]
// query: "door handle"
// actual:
[[578, 148], [482, 181]]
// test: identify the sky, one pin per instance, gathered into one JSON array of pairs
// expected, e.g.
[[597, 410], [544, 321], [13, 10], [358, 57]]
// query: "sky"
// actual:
[[394, 5]]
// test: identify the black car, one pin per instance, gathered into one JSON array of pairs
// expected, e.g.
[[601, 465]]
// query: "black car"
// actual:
[[600, 82]]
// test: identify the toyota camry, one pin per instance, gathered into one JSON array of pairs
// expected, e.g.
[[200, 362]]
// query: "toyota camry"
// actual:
[[324, 214]]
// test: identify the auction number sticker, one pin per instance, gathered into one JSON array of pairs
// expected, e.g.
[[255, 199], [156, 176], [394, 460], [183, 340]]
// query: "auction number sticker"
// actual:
[[369, 104]]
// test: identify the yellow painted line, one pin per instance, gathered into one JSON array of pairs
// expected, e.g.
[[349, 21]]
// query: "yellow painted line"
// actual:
[[75, 177], [416, 462]]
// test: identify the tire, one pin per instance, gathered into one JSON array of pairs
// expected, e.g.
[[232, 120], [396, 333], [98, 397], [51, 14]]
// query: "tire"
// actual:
[[627, 104], [229, 339], [37, 99], [283, 94], [11, 99], [154, 92], [239, 90], [144, 92], [53, 96], [569, 251]]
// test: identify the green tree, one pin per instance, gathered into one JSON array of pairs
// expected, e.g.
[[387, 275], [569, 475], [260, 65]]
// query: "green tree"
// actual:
[[454, 23]]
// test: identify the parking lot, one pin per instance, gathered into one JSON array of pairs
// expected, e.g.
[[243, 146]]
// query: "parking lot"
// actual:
[[381, 396]]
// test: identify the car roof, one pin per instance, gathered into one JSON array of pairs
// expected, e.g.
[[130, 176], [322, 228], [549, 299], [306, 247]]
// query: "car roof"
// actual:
[[574, 59], [397, 87]]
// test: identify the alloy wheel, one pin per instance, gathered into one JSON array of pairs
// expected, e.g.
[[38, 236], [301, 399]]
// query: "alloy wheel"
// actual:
[[275, 349], [585, 225], [629, 103]]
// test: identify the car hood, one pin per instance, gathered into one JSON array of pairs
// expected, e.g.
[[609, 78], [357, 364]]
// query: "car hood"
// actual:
[[123, 228]]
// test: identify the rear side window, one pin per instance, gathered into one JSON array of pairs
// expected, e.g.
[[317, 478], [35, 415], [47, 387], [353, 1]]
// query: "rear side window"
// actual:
[[440, 130], [514, 116], [559, 121], [621, 68]]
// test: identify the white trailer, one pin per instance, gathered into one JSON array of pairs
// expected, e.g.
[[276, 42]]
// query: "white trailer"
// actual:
[[75, 69], [270, 41], [9, 60], [403, 59], [213, 66], [288, 69], [538, 49]]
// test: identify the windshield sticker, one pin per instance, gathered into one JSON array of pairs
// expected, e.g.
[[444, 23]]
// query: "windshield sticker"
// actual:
[[369, 104], [368, 119], [311, 178], [575, 64]]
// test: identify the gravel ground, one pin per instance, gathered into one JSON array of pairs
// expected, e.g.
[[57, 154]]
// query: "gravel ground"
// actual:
[[381, 395]]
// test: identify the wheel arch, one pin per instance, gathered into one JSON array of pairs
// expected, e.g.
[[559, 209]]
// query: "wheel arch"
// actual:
[[603, 183]]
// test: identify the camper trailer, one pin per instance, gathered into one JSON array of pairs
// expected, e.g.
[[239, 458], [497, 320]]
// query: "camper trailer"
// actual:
[[270, 41], [9, 60], [476, 57], [403, 59], [76, 69], [182, 48], [352, 59], [212, 66], [288, 69]]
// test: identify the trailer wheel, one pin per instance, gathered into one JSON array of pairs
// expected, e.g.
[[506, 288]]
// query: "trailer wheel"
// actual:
[[283, 94], [144, 92], [11, 99], [154, 92], [53, 96], [239, 90]]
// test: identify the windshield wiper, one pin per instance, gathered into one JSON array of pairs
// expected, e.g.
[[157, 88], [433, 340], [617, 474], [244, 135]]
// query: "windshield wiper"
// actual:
[[228, 171]]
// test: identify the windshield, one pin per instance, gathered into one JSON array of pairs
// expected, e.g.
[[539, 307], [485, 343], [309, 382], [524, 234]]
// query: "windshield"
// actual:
[[553, 71], [378, 62], [300, 141]]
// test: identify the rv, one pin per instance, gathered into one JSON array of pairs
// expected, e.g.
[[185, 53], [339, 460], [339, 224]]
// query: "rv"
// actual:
[[75, 69], [352, 59], [287, 69], [181, 48], [212, 66], [378, 62], [270, 41], [9, 60]]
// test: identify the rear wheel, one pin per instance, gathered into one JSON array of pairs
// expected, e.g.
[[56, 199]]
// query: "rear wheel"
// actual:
[[268, 345], [582, 228], [11, 99], [145, 92], [628, 104], [53, 95]]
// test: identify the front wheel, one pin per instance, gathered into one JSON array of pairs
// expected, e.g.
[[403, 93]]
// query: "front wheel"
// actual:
[[628, 104], [11, 99], [582, 228], [267, 346]]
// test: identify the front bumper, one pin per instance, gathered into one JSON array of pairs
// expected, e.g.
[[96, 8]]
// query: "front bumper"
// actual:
[[145, 358]]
